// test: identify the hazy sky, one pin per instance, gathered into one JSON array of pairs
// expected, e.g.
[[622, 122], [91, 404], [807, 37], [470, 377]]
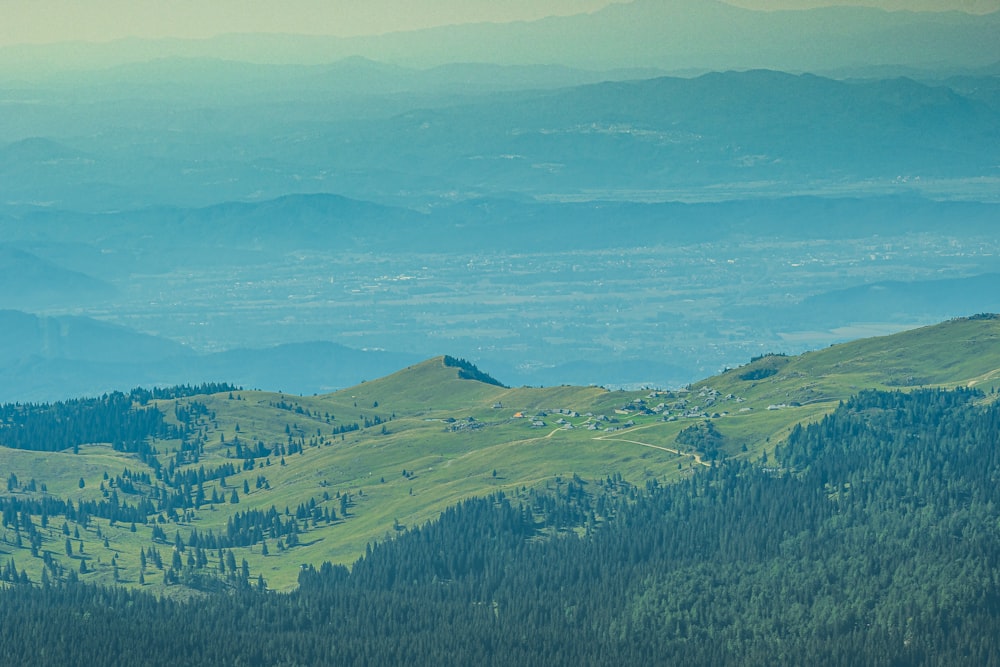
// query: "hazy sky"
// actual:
[[40, 21]]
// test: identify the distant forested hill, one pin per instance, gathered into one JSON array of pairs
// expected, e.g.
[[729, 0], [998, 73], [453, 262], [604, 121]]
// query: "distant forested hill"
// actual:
[[869, 538]]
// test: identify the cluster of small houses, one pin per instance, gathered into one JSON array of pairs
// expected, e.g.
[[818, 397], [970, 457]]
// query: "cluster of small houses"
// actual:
[[467, 424], [673, 405]]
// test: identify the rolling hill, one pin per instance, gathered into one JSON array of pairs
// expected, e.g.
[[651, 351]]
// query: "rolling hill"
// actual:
[[281, 480], [958, 352]]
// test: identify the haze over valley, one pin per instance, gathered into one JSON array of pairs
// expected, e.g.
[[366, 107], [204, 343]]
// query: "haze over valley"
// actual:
[[557, 224]]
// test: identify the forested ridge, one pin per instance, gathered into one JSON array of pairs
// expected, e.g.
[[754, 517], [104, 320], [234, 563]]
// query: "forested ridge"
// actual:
[[871, 539]]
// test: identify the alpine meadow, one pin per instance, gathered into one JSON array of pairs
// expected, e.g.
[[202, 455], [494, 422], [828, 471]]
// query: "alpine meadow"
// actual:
[[574, 332]]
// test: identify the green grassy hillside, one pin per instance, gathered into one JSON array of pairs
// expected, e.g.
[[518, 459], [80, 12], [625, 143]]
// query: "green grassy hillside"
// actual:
[[963, 351], [359, 465]]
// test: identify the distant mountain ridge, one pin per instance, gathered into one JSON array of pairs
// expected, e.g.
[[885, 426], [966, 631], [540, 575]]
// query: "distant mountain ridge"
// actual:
[[916, 301], [233, 238], [645, 33], [428, 222], [761, 130], [332, 221], [28, 281], [53, 358]]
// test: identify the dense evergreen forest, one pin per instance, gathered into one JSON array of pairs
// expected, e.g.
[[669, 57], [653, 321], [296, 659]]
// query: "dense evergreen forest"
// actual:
[[468, 371], [871, 537], [109, 418]]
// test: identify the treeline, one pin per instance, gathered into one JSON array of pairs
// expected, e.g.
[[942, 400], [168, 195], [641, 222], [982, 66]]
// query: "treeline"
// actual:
[[57, 426], [124, 420], [468, 371], [143, 396], [111, 508], [871, 539], [252, 527]]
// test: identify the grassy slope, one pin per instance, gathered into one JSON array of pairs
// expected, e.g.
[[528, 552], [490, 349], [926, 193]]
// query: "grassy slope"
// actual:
[[962, 352], [422, 405]]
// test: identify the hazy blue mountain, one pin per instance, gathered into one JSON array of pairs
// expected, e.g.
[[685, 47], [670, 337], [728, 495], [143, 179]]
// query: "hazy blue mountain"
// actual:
[[667, 34], [348, 82], [669, 132], [720, 135], [48, 358], [227, 231], [35, 150], [30, 167], [985, 89], [236, 232], [565, 225], [885, 301], [511, 225], [29, 282], [302, 368], [117, 244], [547, 293], [319, 219], [24, 335], [674, 34]]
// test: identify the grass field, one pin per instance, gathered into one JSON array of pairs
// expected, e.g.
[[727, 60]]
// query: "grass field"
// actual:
[[433, 439]]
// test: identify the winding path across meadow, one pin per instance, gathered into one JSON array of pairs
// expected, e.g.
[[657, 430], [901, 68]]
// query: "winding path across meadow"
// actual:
[[696, 457]]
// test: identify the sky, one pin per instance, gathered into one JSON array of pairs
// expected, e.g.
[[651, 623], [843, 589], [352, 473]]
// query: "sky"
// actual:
[[49, 21]]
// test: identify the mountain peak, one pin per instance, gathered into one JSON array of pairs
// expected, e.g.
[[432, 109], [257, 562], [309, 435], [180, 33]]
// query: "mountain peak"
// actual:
[[437, 383]]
